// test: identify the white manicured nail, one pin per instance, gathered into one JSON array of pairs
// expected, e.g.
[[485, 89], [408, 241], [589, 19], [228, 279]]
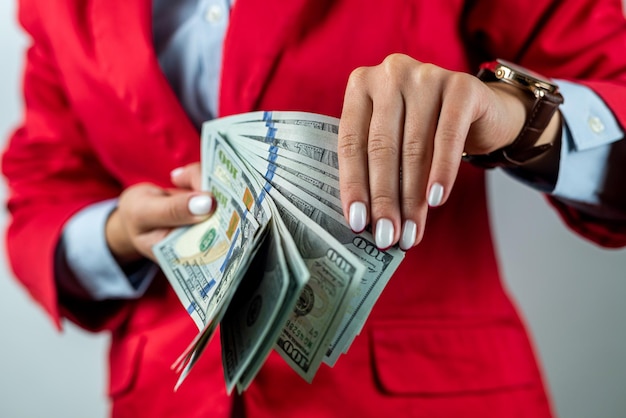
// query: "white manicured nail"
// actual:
[[384, 233], [200, 205], [435, 196], [409, 233], [358, 216], [176, 172]]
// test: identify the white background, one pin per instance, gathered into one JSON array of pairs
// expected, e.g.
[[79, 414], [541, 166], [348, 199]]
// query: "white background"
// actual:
[[570, 291]]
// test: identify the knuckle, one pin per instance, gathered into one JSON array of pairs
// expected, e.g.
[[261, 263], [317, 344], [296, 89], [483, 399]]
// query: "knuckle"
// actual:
[[463, 87], [449, 135], [426, 73], [358, 78], [381, 146], [395, 67], [349, 146], [459, 79], [384, 202], [393, 62], [415, 152]]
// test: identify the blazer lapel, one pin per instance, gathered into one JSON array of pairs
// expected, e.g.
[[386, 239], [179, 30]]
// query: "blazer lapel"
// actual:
[[122, 34]]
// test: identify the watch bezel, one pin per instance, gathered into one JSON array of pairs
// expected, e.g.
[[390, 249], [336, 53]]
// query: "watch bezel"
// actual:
[[521, 77]]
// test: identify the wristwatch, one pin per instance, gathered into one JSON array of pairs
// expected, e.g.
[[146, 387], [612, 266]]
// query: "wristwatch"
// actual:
[[546, 100]]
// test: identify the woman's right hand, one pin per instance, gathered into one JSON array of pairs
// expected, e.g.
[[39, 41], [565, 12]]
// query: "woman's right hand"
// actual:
[[146, 213]]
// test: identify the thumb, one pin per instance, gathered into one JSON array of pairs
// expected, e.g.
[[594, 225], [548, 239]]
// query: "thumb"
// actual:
[[178, 209], [188, 208], [201, 205]]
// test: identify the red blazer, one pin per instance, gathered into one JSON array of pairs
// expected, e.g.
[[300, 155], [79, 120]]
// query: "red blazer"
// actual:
[[443, 341]]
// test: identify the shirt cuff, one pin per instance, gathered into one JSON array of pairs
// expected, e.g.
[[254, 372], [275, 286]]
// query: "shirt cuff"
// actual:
[[89, 259], [588, 131]]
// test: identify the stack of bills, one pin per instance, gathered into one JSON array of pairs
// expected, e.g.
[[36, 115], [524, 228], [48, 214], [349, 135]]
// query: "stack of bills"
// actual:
[[276, 266]]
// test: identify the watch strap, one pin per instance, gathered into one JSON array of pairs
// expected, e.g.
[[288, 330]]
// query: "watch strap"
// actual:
[[523, 148]]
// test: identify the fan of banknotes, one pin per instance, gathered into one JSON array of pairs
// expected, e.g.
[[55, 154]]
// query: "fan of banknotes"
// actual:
[[276, 266]]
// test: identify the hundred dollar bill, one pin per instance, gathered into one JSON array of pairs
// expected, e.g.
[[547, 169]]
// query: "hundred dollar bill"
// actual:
[[380, 266], [254, 308], [335, 275], [230, 272], [200, 261], [299, 276], [257, 315]]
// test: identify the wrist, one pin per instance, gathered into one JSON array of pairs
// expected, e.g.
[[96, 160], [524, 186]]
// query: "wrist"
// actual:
[[515, 106], [518, 106], [534, 139]]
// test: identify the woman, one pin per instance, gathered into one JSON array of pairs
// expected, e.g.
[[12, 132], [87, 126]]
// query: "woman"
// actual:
[[111, 134]]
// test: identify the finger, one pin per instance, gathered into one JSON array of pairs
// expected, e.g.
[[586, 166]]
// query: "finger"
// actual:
[[384, 155], [457, 114], [352, 151], [187, 177], [422, 112]]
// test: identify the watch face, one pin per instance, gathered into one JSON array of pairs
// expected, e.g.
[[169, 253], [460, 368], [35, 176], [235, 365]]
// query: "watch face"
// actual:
[[514, 74]]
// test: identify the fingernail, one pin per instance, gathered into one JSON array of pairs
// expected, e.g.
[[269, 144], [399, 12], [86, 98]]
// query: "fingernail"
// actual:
[[435, 195], [384, 233], [357, 216], [409, 233], [200, 205], [176, 172]]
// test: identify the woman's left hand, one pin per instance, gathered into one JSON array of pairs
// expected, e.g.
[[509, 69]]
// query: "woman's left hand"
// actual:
[[403, 130]]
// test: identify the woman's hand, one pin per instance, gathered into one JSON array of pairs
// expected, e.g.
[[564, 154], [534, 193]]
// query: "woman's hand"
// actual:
[[146, 213], [403, 130]]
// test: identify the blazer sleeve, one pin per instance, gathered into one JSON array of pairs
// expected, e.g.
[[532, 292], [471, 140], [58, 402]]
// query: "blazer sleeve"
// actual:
[[51, 173], [579, 40]]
